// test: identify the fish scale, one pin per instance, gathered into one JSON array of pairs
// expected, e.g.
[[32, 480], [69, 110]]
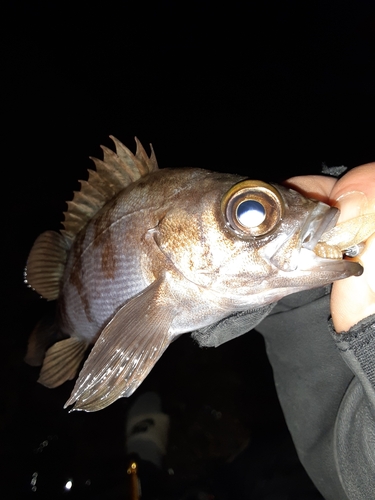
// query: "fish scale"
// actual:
[[148, 254]]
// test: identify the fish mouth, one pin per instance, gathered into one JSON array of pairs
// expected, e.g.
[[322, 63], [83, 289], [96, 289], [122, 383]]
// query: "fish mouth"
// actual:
[[316, 255], [321, 219]]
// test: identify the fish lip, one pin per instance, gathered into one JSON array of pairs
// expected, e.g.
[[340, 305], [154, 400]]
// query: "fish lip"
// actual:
[[334, 268], [321, 219]]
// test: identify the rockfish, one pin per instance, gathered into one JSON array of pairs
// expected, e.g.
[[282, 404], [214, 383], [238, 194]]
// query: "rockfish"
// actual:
[[147, 254]]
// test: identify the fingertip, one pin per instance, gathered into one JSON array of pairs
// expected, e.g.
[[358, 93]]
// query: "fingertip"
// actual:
[[360, 178], [318, 187], [351, 205]]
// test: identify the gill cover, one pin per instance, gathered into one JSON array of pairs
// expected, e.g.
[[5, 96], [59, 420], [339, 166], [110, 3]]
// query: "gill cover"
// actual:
[[252, 208]]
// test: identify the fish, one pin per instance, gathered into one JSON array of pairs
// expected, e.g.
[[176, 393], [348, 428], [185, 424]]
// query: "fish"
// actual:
[[148, 254]]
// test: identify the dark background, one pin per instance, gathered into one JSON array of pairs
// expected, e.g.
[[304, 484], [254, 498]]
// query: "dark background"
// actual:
[[266, 89]]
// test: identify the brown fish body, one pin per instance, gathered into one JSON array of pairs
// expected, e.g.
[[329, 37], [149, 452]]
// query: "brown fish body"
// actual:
[[169, 253], [117, 256]]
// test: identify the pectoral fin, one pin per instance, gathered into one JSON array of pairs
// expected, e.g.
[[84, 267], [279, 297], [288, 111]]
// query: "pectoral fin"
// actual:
[[126, 351]]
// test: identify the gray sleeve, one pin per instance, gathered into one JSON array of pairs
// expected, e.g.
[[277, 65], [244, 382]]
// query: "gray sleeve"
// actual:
[[326, 389], [231, 327], [355, 425]]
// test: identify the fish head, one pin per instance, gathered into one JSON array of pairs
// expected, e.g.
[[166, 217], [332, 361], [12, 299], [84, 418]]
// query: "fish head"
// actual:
[[250, 242]]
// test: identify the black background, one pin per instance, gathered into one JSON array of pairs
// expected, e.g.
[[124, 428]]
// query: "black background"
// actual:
[[266, 89]]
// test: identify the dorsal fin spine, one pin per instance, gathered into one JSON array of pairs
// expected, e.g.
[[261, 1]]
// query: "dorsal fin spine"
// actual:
[[95, 181], [118, 170], [113, 174]]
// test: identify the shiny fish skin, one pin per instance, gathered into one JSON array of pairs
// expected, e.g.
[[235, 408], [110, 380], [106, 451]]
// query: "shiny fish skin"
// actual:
[[147, 255]]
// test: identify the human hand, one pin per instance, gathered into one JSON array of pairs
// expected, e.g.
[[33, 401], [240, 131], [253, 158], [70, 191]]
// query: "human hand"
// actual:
[[352, 299]]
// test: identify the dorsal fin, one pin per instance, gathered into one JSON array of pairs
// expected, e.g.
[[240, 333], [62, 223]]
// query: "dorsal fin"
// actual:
[[116, 171]]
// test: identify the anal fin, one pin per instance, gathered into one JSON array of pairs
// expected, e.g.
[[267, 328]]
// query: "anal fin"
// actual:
[[61, 362], [126, 351], [42, 337]]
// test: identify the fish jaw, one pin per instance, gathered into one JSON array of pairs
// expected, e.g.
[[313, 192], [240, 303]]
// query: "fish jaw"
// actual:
[[297, 257], [306, 265], [243, 272], [334, 268], [318, 252], [337, 241]]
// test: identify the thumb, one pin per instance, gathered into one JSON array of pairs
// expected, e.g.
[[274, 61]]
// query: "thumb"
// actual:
[[353, 299]]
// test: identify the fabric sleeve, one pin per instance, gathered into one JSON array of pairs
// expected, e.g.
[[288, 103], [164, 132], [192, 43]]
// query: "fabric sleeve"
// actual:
[[231, 327], [327, 392]]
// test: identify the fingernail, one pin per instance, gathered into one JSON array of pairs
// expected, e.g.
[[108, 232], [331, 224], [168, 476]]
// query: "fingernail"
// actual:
[[351, 204]]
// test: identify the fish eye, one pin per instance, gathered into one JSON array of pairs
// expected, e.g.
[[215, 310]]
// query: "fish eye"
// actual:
[[252, 208]]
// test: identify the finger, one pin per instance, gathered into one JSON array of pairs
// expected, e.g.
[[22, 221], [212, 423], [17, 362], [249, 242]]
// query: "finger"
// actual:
[[313, 186], [354, 298], [358, 179], [354, 194]]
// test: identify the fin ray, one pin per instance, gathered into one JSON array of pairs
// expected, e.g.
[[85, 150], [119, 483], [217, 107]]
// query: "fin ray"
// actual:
[[46, 263], [115, 172], [61, 362], [125, 352]]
